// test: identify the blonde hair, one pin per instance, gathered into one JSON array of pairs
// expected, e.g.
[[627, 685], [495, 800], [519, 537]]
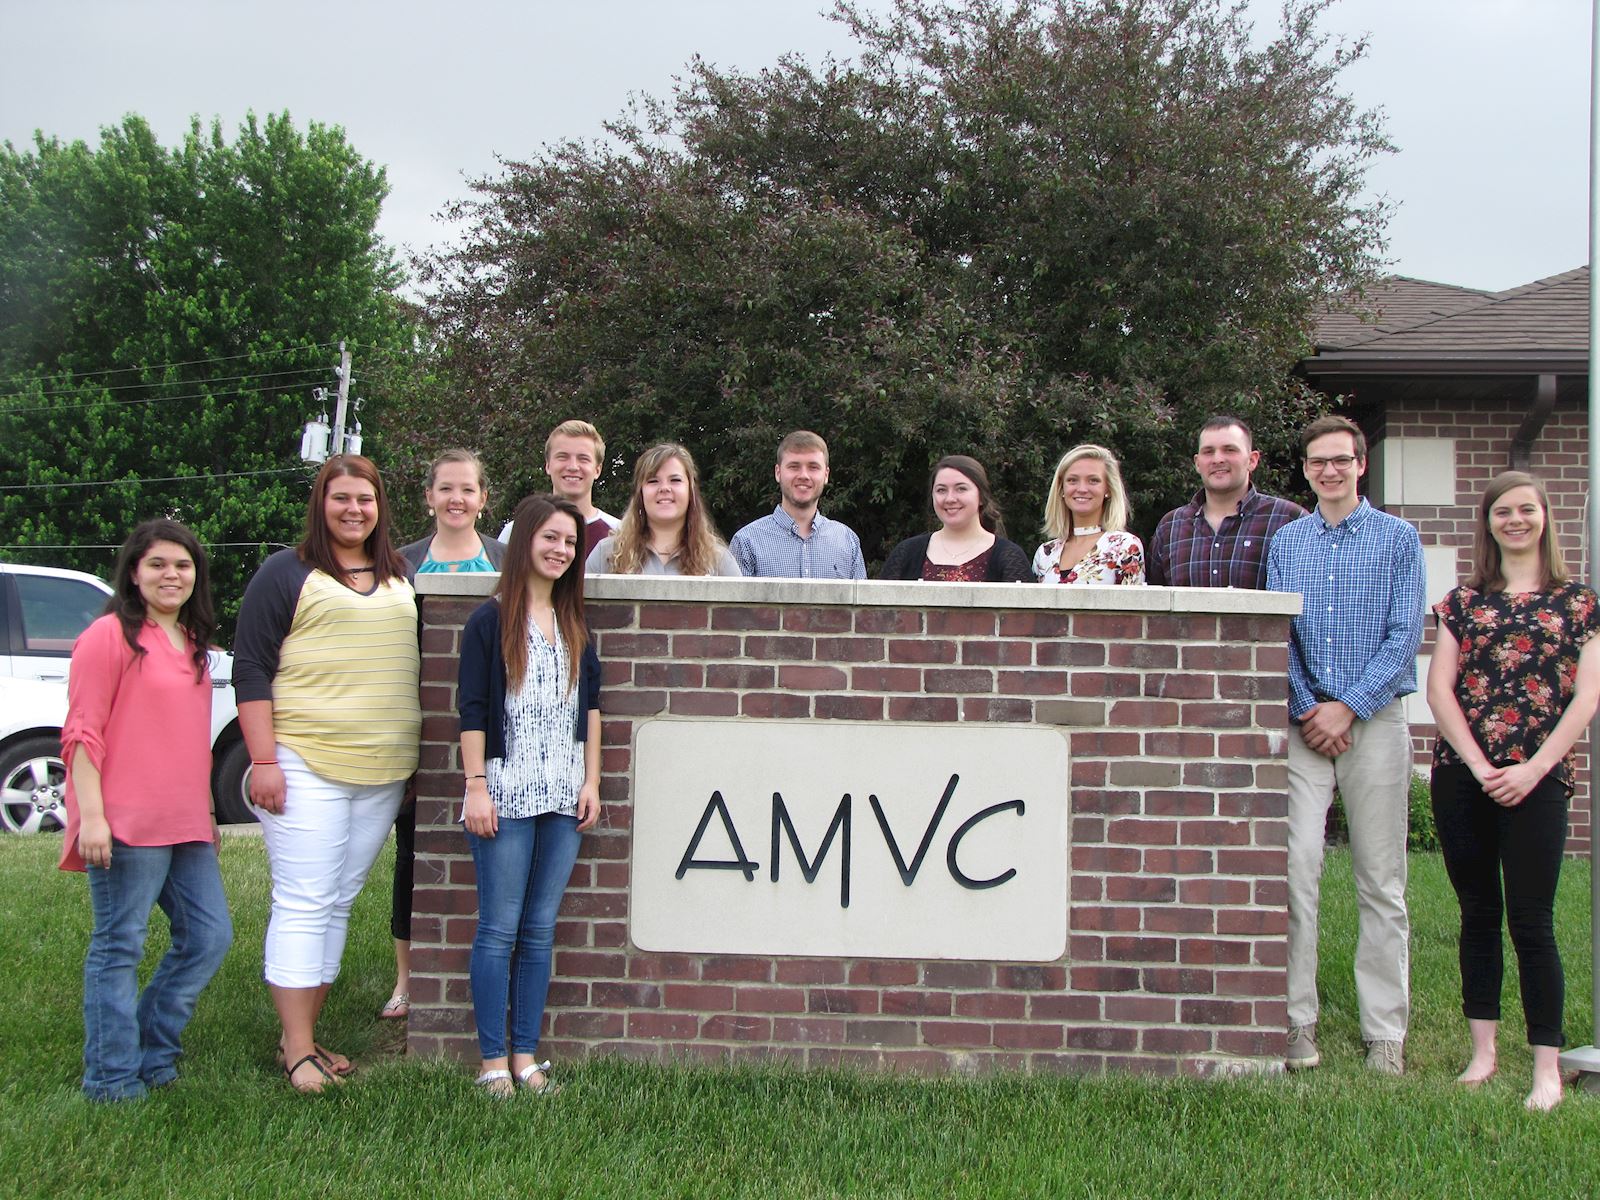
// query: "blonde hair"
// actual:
[[457, 454], [1114, 510], [700, 548], [578, 429]]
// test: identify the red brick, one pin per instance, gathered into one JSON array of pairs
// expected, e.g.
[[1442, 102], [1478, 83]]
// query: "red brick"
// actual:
[[1107, 626], [1102, 859], [1251, 1043], [571, 963], [850, 649], [1141, 832], [1179, 743], [745, 618], [881, 1033], [1144, 889], [633, 704], [992, 654], [963, 622], [724, 1027], [769, 646], [812, 679], [1180, 686], [1007, 1005], [1063, 1007], [1035, 624], [705, 704], [740, 676], [1181, 628], [775, 704], [956, 1033], [673, 616], [810, 1029], [1214, 891], [608, 614], [1144, 1009], [956, 679], [625, 995], [1197, 713], [924, 708], [697, 997], [668, 675], [1149, 656], [784, 1000], [1105, 979], [888, 620], [1033, 683], [1180, 804], [1254, 629], [957, 975], [921, 650], [886, 679], [1102, 1037], [1104, 744], [1141, 949], [807, 619], [1104, 918], [744, 968], [1177, 979], [842, 1000], [1171, 919], [1179, 862], [705, 645], [808, 970], [1144, 712], [975, 708], [1253, 921], [1252, 862], [1215, 1012], [894, 973], [850, 708], [663, 966], [917, 1003], [1028, 1037], [1092, 684], [1251, 983], [1176, 1041], [1202, 951], [634, 645], [1069, 654], [663, 1025], [586, 1024]]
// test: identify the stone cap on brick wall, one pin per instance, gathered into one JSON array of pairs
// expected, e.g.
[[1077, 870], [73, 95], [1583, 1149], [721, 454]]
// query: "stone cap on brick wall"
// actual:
[[879, 593]]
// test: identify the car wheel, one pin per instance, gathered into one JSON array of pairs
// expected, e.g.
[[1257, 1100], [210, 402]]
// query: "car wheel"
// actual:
[[230, 784], [33, 786]]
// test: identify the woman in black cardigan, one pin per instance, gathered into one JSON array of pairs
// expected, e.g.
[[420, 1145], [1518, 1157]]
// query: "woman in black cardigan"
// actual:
[[969, 546]]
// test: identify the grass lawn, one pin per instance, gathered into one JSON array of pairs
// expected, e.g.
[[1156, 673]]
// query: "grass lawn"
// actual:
[[232, 1127]]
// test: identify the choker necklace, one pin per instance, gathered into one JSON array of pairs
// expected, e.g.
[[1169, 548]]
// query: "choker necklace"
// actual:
[[356, 570], [1084, 530]]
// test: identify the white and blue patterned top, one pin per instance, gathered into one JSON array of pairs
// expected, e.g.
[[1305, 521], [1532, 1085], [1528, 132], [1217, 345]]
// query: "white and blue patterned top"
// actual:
[[772, 548], [543, 766], [1363, 583]]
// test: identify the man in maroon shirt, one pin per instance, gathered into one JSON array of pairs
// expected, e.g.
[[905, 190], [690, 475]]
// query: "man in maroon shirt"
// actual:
[[574, 455]]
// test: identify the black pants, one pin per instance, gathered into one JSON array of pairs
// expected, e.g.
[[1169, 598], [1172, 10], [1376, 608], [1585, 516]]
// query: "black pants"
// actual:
[[405, 861], [1483, 841]]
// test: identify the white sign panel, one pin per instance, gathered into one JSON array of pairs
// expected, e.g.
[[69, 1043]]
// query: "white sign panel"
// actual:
[[839, 839]]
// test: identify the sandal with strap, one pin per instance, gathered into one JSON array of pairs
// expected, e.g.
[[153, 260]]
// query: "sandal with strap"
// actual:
[[496, 1085], [398, 1007], [525, 1077], [307, 1089]]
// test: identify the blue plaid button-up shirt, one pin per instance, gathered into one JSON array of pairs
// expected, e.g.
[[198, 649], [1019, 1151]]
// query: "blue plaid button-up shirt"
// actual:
[[1363, 583], [772, 548]]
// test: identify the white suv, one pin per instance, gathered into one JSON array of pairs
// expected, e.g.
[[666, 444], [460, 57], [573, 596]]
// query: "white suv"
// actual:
[[42, 612]]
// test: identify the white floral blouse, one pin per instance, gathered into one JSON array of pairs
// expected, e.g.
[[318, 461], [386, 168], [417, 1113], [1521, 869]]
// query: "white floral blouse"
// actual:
[[1116, 557]]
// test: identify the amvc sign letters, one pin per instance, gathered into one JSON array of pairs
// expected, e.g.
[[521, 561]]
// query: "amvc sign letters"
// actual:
[[850, 840]]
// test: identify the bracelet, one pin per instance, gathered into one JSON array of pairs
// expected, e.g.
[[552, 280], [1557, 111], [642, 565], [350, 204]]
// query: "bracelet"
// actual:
[[477, 777], [263, 762]]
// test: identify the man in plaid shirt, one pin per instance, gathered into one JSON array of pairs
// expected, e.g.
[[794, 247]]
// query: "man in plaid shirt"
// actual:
[[1219, 538]]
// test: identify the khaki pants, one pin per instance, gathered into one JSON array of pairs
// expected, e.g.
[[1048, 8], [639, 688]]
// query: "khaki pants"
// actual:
[[1372, 777]]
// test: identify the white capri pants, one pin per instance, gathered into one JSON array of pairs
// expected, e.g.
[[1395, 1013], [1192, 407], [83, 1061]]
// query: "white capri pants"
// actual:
[[320, 847]]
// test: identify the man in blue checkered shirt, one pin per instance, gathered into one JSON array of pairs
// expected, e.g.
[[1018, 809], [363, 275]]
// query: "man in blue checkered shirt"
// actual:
[[1219, 538], [796, 541], [1352, 657]]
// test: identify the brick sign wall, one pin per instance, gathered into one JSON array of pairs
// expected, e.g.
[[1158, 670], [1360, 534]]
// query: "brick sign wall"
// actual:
[[1172, 703]]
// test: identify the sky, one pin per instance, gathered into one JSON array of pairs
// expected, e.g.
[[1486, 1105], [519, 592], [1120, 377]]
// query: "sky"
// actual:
[[1487, 100]]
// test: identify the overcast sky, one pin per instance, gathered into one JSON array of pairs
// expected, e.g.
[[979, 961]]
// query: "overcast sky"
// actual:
[[1487, 100]]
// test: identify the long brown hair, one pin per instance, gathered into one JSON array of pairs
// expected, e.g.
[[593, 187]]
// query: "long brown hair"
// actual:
[[1488, 573], [988, 509], [701, 546], [566, 595], [196, 618], [316, 547]]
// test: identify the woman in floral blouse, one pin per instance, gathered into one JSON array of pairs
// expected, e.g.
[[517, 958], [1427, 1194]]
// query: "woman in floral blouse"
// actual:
[[1514, 683], [1086, 516]]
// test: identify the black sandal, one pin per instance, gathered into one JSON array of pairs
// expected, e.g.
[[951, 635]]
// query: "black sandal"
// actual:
[[327, 1076]]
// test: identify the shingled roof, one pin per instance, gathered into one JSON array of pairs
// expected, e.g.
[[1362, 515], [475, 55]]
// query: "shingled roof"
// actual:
[[1416, 326]]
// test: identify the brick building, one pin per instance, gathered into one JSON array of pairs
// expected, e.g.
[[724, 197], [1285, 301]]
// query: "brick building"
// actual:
[[1453, 385]]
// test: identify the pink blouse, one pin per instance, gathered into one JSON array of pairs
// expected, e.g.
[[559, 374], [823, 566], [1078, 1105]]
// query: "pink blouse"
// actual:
[[145, 723]]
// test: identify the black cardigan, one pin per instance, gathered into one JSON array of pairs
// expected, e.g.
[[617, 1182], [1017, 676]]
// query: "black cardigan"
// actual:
[[1008, 563], [481, 683]]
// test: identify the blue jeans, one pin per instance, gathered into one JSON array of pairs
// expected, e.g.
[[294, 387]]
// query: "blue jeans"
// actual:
[[131, 1039], [522, 873]]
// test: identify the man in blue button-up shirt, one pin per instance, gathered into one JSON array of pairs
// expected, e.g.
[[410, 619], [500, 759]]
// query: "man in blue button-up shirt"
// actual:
[[796, 541], [1352, 656]]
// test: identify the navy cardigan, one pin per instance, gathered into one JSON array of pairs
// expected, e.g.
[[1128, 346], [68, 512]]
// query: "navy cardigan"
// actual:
[[481, 684]]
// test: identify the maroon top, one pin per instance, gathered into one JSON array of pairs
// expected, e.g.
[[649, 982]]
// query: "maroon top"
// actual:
[[974, 570]]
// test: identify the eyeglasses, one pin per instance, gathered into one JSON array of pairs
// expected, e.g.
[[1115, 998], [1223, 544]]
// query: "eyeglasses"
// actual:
[[1339, 462]]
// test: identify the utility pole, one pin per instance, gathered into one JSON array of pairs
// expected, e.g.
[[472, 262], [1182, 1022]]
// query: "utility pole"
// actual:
[[318, 440], [344, 399]]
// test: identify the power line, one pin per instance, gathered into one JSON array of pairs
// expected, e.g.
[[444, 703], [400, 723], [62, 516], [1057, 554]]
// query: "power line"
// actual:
[[120, 404], [23, 487], [192, 362], [118, 545]]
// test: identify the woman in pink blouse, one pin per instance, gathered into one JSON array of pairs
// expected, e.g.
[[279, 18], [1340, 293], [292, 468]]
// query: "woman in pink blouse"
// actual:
[[137, 744]]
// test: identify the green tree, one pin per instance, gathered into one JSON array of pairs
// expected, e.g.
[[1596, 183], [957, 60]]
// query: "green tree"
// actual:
[[1004, 228], [166, 313]]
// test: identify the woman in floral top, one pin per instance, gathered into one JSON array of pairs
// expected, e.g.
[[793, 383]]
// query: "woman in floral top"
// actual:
[[1086, 516], [1514, 683]]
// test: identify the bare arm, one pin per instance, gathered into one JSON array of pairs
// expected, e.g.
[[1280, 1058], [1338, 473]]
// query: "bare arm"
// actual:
[[94, 831], [589, 793], [266, 777], [481, 818], [1443, 671]]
